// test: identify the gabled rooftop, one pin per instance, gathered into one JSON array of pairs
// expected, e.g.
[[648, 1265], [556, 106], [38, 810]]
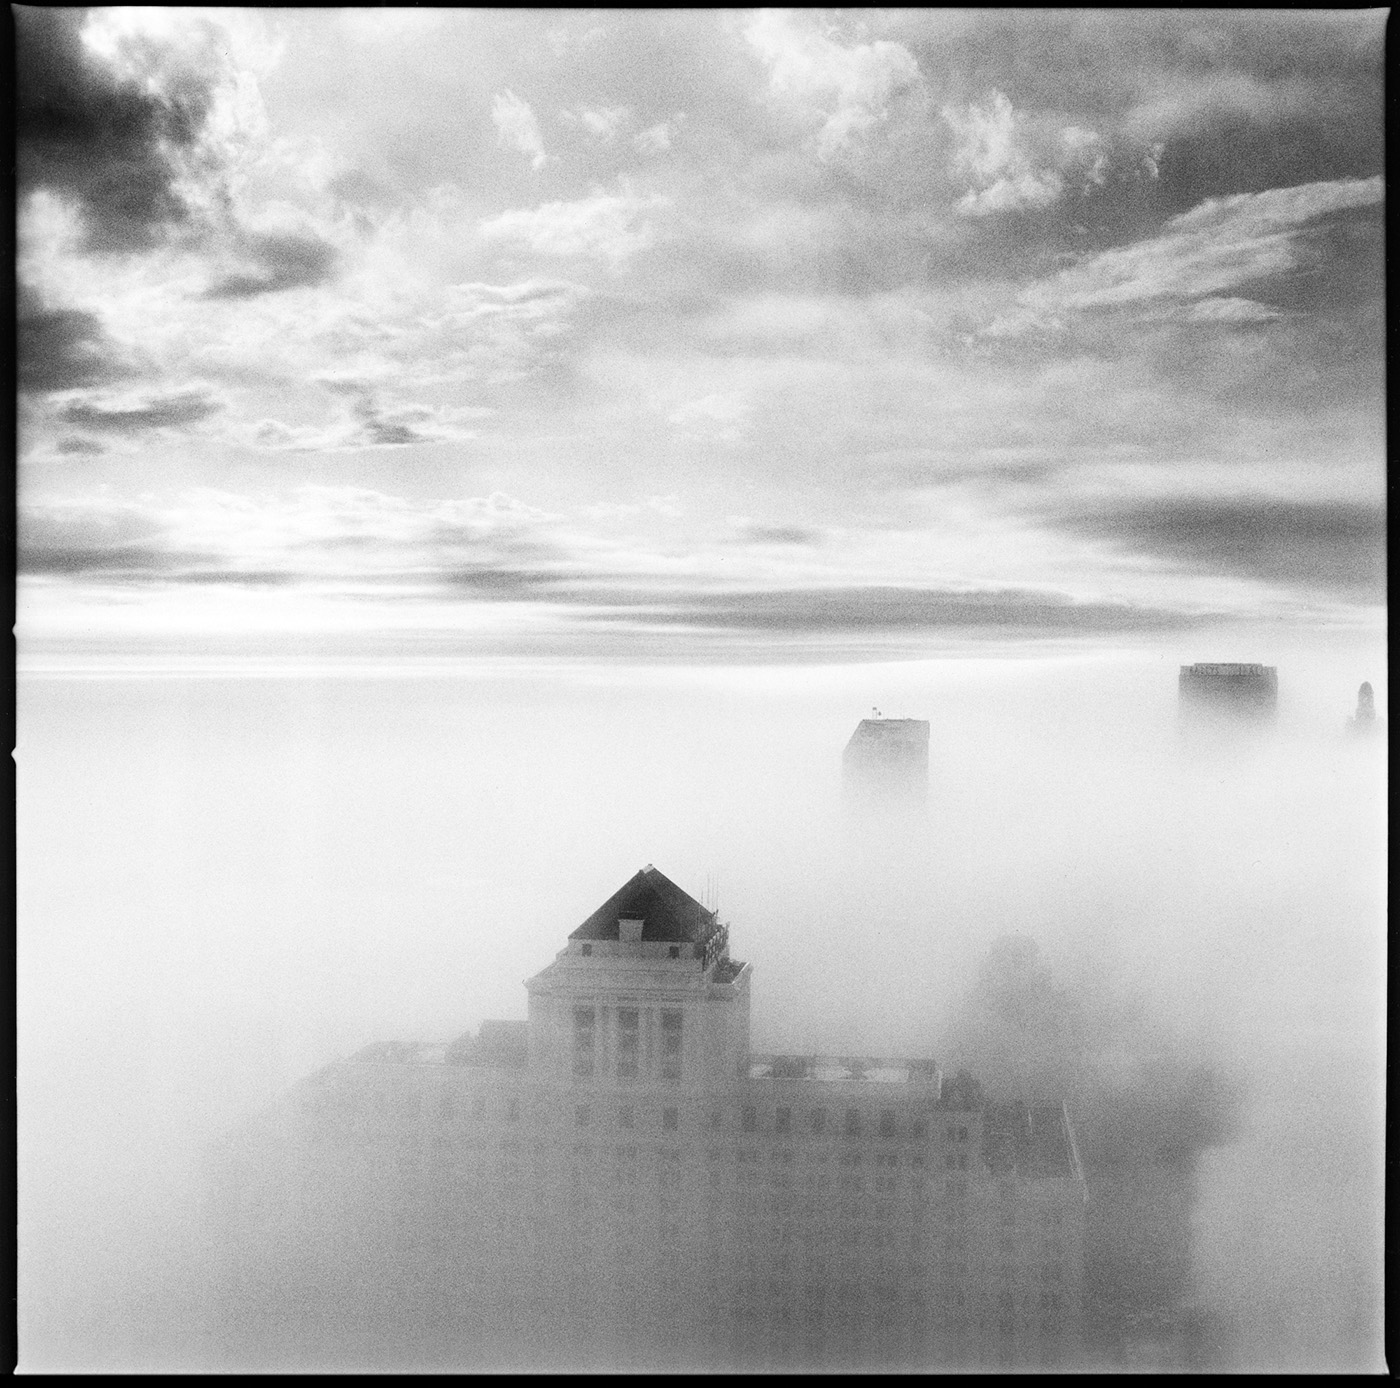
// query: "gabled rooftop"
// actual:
[[668, 914]]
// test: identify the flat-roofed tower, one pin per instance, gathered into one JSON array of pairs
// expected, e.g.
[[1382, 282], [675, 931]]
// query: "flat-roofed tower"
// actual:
[[885, 765], [1228, 695]]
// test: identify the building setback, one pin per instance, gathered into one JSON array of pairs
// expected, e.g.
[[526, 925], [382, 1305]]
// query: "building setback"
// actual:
[[618, 1180], [885, 764]]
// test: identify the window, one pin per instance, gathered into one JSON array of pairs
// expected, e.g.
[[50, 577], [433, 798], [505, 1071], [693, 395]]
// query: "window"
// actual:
[[962, 1134], [584, 1019], [716, 1120], [818, 1120], [512, 1110], [750, 1119], [582, 1115], [852, 1122], [626, 1118], [587, 949], [782, 1121], [919, 1128], [962, 1161], [888, 1121], [629, 1042], [674, 952], [670, 1044], [670, 1120]]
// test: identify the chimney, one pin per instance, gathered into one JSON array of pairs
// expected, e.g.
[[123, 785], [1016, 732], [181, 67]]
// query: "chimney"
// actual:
[[629, 929]]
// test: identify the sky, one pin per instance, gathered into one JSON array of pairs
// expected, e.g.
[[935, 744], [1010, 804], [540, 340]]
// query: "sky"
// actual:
[[467, 455], [708, 336]]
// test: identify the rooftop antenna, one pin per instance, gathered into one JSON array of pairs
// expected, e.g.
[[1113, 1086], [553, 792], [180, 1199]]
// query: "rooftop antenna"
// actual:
[[877, 713]]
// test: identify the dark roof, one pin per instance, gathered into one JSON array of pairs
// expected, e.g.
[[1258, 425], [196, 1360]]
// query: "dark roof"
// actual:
[[1033, 1141], [669, 913]]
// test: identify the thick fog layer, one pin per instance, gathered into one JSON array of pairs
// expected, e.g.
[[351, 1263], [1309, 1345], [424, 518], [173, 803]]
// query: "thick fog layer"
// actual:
[[227, 882]]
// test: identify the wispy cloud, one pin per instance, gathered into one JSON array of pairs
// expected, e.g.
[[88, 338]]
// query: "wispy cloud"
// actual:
[[137, 412], [1199, 257], [1332, 546], [603, 123], [516, 125], [893, 608], [605, 226]]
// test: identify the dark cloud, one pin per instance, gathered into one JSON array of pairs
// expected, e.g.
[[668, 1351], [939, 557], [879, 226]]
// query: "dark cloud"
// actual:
[[79, 446], [778, 534], [61, 349], [123, 562], [113, 147], [504, 581], [890, 608], [276, 263], [184, 407], [1332, 546]]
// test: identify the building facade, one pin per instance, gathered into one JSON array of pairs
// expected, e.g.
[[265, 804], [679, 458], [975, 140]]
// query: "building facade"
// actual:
[[1227, 695], [618, 1181], [885, 764]]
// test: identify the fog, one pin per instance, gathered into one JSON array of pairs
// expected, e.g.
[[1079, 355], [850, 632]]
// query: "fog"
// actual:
[[227, 881]]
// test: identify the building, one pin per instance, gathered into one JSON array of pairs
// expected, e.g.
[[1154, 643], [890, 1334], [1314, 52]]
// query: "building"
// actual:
[[619, 1181], [1227, 696], [1364, 722], [885, 765]]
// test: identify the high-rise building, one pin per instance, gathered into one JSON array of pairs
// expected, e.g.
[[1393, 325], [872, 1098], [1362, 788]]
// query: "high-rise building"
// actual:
[[1364, 722], [619, 1180], [885, 765], [1226, 696]]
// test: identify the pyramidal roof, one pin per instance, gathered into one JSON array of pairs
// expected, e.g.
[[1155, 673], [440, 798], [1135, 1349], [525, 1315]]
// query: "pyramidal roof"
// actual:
[[667, 913]]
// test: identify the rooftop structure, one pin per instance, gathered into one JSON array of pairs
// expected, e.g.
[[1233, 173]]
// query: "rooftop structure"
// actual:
[[1228, 695], [885, 764], [618, 1181]]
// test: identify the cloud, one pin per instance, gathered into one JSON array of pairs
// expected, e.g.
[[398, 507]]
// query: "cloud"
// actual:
[[516, 125], [852, 88], [898, 608], [277, 261], [1013, 164], [343, 536], [370, 424], [755, 532], [111, 145], [655, 139], [606, 226], [79, 446], [133, 414], [1334, 546], [62, 349], [89, 536], [604, 123], [1215, 248]]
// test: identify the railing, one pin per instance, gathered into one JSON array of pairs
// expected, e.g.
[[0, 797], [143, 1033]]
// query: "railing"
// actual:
[[715, 947]]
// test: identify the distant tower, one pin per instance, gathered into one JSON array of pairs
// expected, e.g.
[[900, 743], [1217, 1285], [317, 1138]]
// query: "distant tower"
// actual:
[[886, 764], [1228, 697], [1365, 720]]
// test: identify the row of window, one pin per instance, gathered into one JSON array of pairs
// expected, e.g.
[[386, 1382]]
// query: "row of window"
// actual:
[[629, 1042], [889, 1124]]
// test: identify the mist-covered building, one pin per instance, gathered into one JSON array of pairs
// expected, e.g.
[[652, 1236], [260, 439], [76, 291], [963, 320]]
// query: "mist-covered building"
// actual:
[[1221, 696], [885, 764], [619, 1180]]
